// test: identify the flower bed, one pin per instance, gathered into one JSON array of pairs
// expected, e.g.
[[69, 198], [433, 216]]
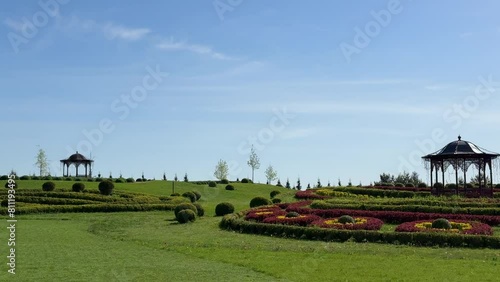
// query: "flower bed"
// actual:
[[361, 223], [262, 213], [309, 194], [301, 220], [457, 226]]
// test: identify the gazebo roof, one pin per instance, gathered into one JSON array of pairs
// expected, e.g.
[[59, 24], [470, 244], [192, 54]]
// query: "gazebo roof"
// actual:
[[461, 149], [77, 158]]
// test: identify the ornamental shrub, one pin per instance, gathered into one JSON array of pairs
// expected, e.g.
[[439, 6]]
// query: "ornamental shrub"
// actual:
[[190, 195], [469, 185], [399, 185], [48, 186], [200, 209], [246, 180], [224, 181], [4, 177], [175, 195], [106, 187], [35, 177], [185, 206], [497, 185], [451, 186], [130, 180], [120, 180], [197, 194], [229, 187], [7, 185], [422, 185], [47, 177], [138, 180], [346, 219], [185, 216], [98, 179], [25, 177], [78, 187], [410, 185], [77, 179], [274, 193], [224, 208], [292, 214], [89, 179], [438, 185], [259, 201], [441, 223], [276, 201], [212, 184]]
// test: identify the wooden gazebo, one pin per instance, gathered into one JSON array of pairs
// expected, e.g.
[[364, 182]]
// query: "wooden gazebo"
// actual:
[[77, 160], [460, 155]]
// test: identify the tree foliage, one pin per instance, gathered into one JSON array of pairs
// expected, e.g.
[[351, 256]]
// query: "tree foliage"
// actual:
[[221, 170], [42, 163], [271, 174], [253, 161]]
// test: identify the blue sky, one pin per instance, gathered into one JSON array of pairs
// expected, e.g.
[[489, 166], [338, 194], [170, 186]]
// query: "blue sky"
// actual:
[[328, 89]]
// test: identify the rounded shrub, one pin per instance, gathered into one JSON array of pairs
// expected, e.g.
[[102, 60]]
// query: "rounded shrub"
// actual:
[[25, 177], [246, 180], [90, 179], [106, 187], [185, 216], [200, 209], [276, 201], [451, 186], [197, 194], [441, 223], [224, 208], [410, 185], [138, 180], [438, 185], [259, 201], [120, 180], [292, 214], [190, 195], [185, 206], [36, 178], [497, 186], [130, 180], [47, 177], [175, 195], [57, 178], [48, 186], [78, 187], [7, 185], [68, 179], [229, 187], [469, 185], [346, 219], [212, 184], [98, 179], [399, 185], [422, 185], [4, 177], [224, 181], [274, 193], [78, 179]]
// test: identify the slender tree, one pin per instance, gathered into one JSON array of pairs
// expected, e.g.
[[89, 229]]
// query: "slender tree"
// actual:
[[42, 163], [253, 162], [271, 174], [221, 170]]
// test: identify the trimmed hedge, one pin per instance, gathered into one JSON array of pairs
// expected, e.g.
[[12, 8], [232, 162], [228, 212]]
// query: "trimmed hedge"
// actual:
[[212, 184], [190, 195], [224, 208], [106, 187], [185, 216], [259, 201], [235, 222], [198, 195], [200, 210], [185, 206], [274, 193]]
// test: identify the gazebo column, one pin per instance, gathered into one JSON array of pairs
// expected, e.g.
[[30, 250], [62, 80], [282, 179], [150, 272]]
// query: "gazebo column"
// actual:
[[456, 175], [85, 170], [465, 177], [442, 171], [77, 165], [491, 176], [432, 169]]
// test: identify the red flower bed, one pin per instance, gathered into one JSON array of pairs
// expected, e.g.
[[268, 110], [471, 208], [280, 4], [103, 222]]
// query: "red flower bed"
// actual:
[[309, 194], [465, 227], [362, 223], [302, 220], [395, 216], [263, 213]]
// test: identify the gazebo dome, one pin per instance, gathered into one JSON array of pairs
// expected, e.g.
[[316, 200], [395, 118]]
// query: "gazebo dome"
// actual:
[[77, 157], [461, 148]]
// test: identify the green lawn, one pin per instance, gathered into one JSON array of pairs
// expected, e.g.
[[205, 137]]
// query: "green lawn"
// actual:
[[150, 246]]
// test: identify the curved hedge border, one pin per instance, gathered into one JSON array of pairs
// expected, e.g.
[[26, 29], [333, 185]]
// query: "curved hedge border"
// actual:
[[91, 208], [236, 222]]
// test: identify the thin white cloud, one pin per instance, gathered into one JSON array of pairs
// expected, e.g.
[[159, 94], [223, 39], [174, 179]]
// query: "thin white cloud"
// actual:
[[110, 30], [173, 45], [299, 133]]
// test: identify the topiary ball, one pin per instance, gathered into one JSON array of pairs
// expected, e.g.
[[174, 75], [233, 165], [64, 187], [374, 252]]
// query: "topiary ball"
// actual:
[[292, 214], [224, 208], [274, 193], [346, 219], [276, 201], [441, 223], [422, 185], [229, 187], [259, 201], [78, 187], [185, 206], [245, 180], [198, 195], [185, 216], [224, 181], [399, 185], [48, 186], [106, 187], [200, 209], [212, 184], [175, 195], [190, 195], [13, 184]]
